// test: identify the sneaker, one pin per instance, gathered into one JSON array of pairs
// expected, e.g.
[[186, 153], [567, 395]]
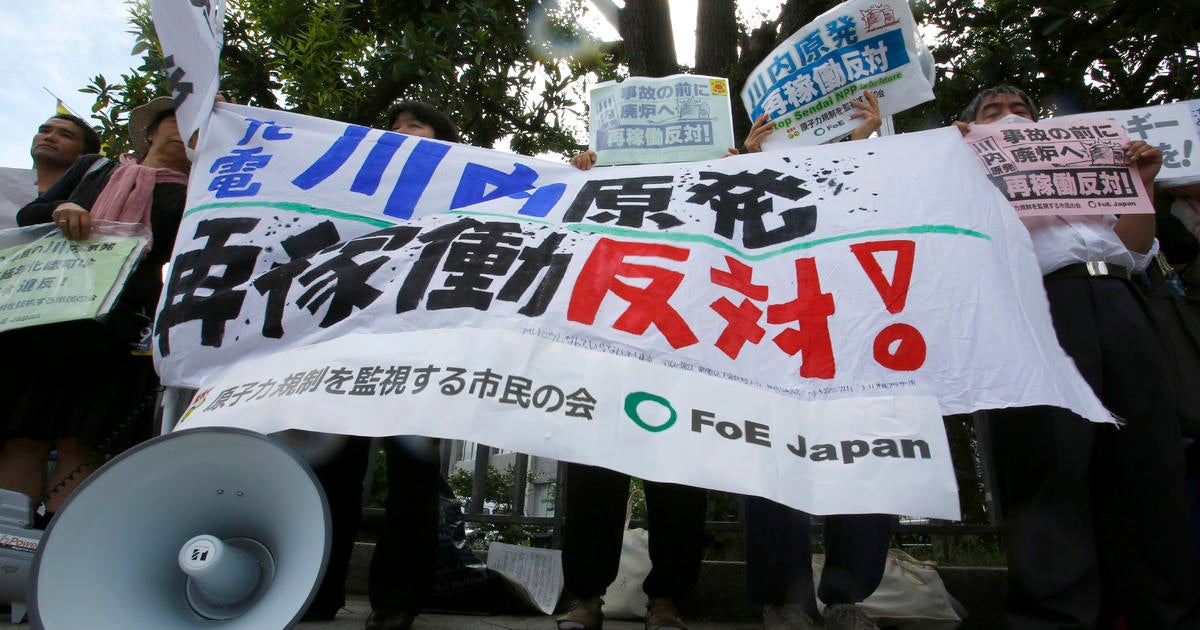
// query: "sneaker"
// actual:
[[848, 617], [786, 617], [585, 614]]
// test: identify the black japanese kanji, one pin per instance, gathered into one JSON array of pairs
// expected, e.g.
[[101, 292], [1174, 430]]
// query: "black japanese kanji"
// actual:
[[634, 199], [747, 197], [202, 281]]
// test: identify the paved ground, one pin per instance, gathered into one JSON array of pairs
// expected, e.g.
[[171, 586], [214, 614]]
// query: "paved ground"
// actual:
[[354, 615]]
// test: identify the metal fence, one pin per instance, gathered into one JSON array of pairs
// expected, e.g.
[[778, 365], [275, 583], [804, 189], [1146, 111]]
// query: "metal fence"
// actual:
[[932, 531], [981, 469]]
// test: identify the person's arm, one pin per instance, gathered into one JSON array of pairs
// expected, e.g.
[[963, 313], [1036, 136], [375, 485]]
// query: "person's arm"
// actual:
[[40, 210], [1136, 231], [868, 111]]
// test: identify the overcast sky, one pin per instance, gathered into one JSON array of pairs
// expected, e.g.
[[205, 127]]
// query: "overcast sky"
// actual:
[[59, 45]]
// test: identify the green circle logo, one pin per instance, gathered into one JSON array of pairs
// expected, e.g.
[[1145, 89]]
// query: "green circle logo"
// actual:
[[631, 404]]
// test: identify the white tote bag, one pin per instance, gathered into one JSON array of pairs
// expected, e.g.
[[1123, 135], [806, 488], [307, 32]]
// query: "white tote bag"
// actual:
[[624, 598], [911, 595]]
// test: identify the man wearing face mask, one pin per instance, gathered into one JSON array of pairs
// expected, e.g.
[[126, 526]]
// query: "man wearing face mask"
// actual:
[[1095, 516]]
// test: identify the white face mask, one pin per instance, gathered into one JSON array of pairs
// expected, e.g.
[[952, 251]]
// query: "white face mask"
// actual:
[[1012, 119]]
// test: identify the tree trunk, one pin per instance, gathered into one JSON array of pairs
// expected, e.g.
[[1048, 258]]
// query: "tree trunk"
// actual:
[[716, 37], [649, 39]]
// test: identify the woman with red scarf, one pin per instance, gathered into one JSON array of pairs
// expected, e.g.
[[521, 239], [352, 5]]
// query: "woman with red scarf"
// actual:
[[83, 387]]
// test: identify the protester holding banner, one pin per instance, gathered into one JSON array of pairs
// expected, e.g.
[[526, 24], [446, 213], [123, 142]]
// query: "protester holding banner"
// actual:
[[778, 538], [593, 528], [1095, 515], [591, 552], [88, 386], [405, 559]]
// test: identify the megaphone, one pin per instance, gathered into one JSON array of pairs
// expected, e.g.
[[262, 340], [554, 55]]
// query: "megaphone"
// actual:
[[203, 528], [18, 544]]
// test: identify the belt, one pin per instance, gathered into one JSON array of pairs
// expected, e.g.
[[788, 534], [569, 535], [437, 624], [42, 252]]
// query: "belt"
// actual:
[[1089, 270]]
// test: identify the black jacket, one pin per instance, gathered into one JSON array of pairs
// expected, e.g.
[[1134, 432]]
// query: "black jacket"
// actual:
[[82, 184]]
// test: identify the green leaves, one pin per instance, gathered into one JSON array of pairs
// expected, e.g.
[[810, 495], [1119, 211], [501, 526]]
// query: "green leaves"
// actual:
[[350, 61], [1070, 55]]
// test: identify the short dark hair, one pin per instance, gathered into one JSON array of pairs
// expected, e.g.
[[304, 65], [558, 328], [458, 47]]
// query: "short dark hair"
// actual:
[[972, 110], [443, 127], [91, 139]]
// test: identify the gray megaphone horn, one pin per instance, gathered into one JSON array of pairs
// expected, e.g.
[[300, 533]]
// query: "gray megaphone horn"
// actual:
[[201, 528]]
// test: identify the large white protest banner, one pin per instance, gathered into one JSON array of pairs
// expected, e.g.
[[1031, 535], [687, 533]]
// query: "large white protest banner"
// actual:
[[1058, 167], [797, 273], [806, 307], [534, 395], [191, 34], [806, 84], [644, 120], [1173, 128]]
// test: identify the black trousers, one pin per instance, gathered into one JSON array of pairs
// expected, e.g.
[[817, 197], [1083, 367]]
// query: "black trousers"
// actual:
[[592, 531], [779, 554], [1095, 515], [405, 560]]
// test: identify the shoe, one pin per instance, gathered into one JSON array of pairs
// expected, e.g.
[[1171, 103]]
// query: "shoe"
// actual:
[[389, 619], [661, 614], [585, 614], [786, 617], [848, 617]]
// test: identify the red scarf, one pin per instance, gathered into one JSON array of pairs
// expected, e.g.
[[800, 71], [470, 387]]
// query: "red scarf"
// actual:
[[129, 193]]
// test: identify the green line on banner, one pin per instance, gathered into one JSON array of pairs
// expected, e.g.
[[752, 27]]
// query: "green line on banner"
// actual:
[[622, 232], [292, 206], [702, 238]]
